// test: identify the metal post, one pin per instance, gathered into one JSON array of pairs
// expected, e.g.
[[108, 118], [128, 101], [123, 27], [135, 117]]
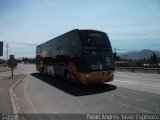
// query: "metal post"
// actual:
[[12, 72]]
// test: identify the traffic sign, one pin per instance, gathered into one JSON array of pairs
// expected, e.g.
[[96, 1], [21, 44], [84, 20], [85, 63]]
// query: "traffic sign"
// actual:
[[12, 63]]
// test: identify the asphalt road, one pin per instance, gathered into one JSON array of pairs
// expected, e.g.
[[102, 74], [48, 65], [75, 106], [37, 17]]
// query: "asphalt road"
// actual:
[[128, 93]]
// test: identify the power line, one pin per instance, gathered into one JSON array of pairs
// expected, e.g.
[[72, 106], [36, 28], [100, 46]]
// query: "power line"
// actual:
[[21, 43]]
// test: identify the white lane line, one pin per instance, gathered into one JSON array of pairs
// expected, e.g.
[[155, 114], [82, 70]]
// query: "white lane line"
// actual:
[[138, 83], [35, 110]]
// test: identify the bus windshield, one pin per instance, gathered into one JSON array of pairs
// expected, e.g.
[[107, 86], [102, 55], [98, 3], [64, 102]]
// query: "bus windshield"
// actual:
[[99, 60], [97, 50]]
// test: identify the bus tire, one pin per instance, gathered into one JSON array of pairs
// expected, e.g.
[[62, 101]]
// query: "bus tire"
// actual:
[[68, 77], [41, 70]]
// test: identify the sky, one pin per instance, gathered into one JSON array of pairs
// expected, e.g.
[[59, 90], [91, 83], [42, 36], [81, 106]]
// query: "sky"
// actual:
[[130, 24]]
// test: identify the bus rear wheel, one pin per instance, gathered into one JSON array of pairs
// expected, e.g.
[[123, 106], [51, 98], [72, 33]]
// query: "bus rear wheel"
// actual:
[[41, 70], [68, 77]]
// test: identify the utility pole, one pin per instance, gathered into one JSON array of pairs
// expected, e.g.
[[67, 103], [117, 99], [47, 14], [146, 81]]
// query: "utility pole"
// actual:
[[115, 50], [7, 46]]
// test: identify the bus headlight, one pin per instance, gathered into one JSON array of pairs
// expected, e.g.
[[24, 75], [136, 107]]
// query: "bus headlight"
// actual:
[[89, 76]]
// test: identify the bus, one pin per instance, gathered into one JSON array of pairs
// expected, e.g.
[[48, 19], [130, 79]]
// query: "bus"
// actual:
[[81, 56]]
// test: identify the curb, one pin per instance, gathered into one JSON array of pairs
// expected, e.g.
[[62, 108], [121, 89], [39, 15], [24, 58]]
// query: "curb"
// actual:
[[12, 95]]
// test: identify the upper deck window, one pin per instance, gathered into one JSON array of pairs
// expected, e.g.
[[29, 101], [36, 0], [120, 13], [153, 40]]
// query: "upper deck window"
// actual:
[[95, 38]]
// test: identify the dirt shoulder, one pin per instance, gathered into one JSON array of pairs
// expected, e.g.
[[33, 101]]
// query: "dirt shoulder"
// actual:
[[4, 69]]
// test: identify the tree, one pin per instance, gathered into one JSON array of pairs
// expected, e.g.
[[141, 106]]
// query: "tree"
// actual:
[[153, 59], [28, 60], [116, 58]]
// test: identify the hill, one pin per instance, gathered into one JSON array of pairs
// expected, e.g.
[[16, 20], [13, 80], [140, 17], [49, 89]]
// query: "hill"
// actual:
[[146, 53]]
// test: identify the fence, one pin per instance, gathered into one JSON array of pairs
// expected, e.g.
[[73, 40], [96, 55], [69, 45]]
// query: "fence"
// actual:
[[139, 69]]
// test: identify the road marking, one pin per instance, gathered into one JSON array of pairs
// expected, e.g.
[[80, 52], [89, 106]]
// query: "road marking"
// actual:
[[35, 110], [138, 83]]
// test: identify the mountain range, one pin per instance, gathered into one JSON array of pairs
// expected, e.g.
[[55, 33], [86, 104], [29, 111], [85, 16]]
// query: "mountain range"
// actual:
[[146, 53]]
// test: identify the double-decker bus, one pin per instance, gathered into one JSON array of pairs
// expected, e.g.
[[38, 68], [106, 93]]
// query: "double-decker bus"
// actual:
[[81, 56]]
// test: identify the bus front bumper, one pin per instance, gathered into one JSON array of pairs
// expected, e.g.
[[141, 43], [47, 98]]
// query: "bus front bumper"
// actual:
[[97, 77]]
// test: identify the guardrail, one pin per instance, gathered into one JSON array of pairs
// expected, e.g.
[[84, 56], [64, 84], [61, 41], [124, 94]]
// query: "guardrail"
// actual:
[[139, 69]]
